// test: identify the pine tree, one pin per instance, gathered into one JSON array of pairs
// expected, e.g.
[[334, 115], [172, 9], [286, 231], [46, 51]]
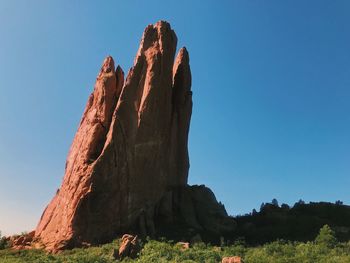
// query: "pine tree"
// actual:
[[326, 237]]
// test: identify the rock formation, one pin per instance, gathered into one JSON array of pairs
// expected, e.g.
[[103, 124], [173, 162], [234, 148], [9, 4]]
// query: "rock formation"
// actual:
[[128, 163], [22, 241], [129, 247]]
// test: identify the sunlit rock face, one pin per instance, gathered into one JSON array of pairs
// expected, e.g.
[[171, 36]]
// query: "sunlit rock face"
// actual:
[[130, 149]]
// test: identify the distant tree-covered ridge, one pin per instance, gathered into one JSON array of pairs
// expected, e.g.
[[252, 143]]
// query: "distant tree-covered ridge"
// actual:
[[300, 222]]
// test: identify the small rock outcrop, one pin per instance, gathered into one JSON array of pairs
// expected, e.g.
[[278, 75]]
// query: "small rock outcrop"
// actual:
[[23, 241], [128, 165], [129, 247], [188, 211]]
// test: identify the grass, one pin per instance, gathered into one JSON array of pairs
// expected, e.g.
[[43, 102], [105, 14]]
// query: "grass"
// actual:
[[325, 249]]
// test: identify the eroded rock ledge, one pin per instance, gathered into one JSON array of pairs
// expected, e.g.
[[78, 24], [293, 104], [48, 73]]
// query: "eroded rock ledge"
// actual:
[[127, 167]]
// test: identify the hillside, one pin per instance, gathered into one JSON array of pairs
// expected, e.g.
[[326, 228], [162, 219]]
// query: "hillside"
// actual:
[[298, 223]]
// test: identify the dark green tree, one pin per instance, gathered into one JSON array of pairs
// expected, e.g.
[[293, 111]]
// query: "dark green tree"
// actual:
[[3, 242], [262, 207], [275, 202], [300, 202], [285, 206]]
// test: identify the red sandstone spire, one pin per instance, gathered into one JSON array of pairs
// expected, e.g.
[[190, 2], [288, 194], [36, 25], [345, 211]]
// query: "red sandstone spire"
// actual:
[[119, 162], [128, 164]]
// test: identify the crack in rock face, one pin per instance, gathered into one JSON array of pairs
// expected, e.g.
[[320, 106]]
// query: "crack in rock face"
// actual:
[[130, 152]]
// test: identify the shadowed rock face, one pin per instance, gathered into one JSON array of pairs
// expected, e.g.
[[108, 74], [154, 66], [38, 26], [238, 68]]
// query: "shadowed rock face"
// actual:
[[130, 148]]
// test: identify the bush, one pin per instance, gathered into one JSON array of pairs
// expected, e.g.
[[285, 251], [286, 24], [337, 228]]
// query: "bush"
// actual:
[[3, 242]]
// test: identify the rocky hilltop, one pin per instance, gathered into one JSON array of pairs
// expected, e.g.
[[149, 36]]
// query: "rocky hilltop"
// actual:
[[127, 167]]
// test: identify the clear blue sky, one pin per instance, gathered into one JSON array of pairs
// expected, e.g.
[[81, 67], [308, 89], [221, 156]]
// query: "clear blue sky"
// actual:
[[271, 85]]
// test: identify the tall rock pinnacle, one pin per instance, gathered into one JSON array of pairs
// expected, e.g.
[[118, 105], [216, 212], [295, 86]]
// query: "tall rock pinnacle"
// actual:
[[130, 152]]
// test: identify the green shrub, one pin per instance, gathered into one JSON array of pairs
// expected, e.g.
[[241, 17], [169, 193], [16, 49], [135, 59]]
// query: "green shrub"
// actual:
[[3, 242], [326, 237]]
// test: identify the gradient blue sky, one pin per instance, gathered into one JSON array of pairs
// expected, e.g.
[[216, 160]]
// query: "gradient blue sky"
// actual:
[[271, 85]]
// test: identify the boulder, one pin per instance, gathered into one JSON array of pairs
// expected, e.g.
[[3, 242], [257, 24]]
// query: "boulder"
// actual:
[[129, 247], [183, 245], [234, 259]]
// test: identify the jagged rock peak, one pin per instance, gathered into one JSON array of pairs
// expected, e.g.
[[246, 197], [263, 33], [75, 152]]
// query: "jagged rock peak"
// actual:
[[160, 37], [182, 58], [182, 74], [107, 66]]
